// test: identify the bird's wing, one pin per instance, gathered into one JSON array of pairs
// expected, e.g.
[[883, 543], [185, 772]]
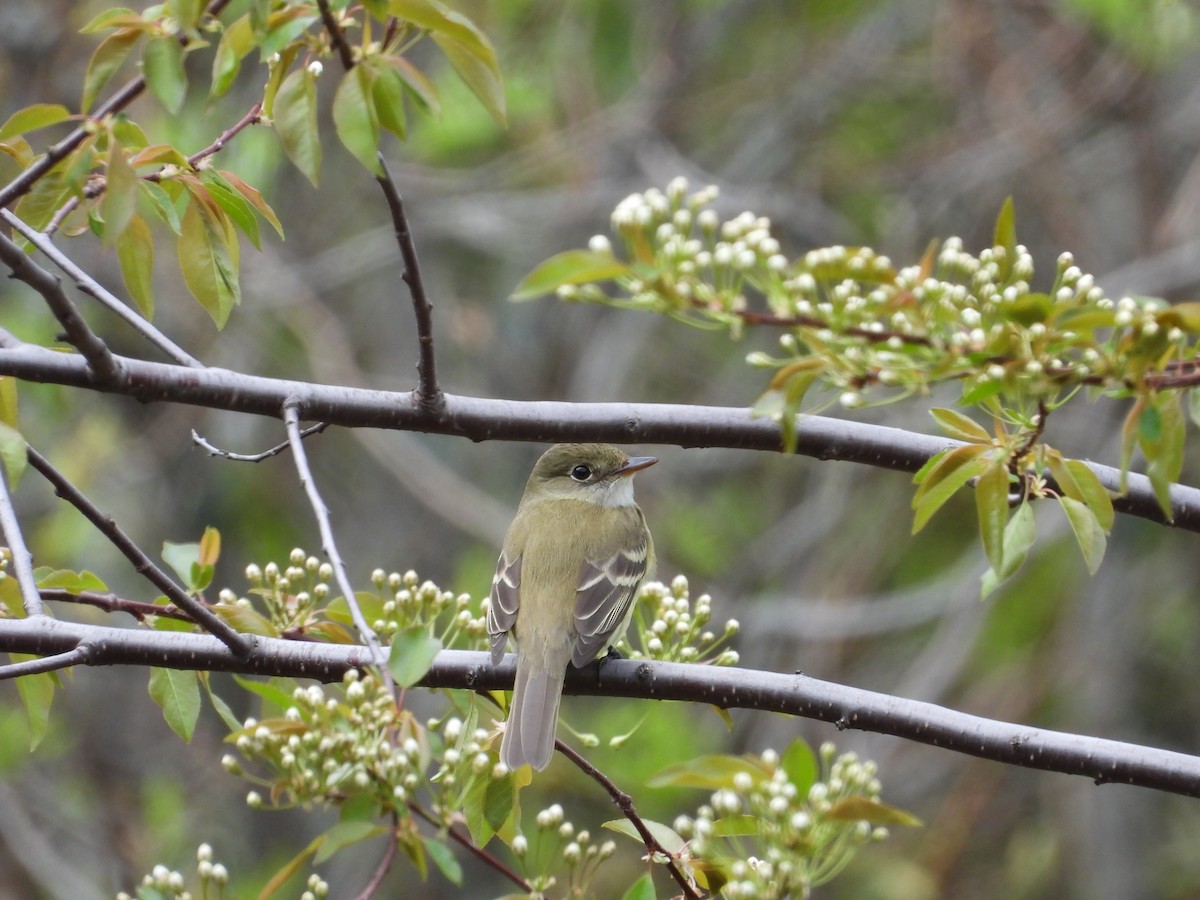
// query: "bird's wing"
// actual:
[[505, 598], [606, 589]]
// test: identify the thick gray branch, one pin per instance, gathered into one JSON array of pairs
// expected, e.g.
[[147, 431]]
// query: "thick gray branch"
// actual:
[[798, 695], [483, 419]]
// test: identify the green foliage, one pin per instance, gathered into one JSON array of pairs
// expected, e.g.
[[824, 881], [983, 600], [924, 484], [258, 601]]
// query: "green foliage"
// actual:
[[115, 175], [867, 332], [777, 827]]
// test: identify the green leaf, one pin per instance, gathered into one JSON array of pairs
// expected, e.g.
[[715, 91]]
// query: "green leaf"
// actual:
[[277, 698], [37, 695], [295, 118], [236, 206], [181, 558], [955, 468], [343, 835], [161, 203], [120, 193], [388, 89], [162, 64], [1019, 535], [120, 16], [13, 454], [413, 651], [1006, 236], [421, 88], [104, 63], [468, 49], [864, 809], [991, 503], [443, 857], [711, 772], [255, 199], [479, 73], [75, 582], [1088, 533], [1077, 480], [32, 118], [960, 427], [354, 117], [670, 839], [235, 43], [742, 825], [246, 620], [135, 253], [569, 267], [800, 764], [9, 400], [642, 889], [185, 12], [208, 260], [223, 709], [1161, 434], [179, 696]]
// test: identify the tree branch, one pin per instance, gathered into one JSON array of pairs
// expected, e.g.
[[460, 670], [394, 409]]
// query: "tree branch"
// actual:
[[22, 559], [428, 392], [214, 450], [77, 332], [93, 288], [240, 644], [291, 419], [1102, 760], [336, 36], [625, 804], [483, 419]]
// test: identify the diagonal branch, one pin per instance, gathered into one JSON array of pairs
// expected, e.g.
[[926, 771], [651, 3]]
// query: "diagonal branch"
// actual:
[[99, 358], [291, 419], [93, 288], [22, 559], [625, 804], [429, 395], [336, 35], [1102, 760], [482, 419], [240, 644]]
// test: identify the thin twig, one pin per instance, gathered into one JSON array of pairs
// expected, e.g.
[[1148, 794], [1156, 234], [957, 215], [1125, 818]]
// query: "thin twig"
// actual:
[[429, 395], [93, 288], [336, 35], [291, 420], [22, 559], [253, 117], [74, 657], [214, 450], [385, 865], [625, 804], [478, 852], [240, 644], [100, 359], [112, 603]]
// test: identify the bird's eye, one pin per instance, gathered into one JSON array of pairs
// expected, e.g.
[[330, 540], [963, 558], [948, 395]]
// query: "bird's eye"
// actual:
[[581, 472]]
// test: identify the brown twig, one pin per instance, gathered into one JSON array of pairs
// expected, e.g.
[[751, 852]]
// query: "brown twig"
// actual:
[[336, 35], [240, 644], [253, 117], [384, 866], [429, 395], [214, 450], [625, 803], [469, 845], [112, 603]]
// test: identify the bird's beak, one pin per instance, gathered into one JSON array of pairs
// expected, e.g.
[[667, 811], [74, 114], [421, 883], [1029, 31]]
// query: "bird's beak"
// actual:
[[636, 464]]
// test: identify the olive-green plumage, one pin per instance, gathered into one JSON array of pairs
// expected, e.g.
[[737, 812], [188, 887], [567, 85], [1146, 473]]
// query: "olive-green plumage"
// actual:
[[572, 561]]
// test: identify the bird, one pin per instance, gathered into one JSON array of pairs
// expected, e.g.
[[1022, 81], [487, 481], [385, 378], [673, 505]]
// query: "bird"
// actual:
[[573, 558]]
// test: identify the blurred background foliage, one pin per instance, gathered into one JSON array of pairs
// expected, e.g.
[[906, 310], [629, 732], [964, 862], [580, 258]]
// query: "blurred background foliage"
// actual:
[[887, 123]]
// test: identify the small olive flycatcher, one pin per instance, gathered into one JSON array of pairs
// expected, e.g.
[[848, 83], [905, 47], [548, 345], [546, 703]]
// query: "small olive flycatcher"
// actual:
[[564, 586]]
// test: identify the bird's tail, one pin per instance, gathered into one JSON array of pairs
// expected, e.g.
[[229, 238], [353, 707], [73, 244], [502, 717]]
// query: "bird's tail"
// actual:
[[533, 715]]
